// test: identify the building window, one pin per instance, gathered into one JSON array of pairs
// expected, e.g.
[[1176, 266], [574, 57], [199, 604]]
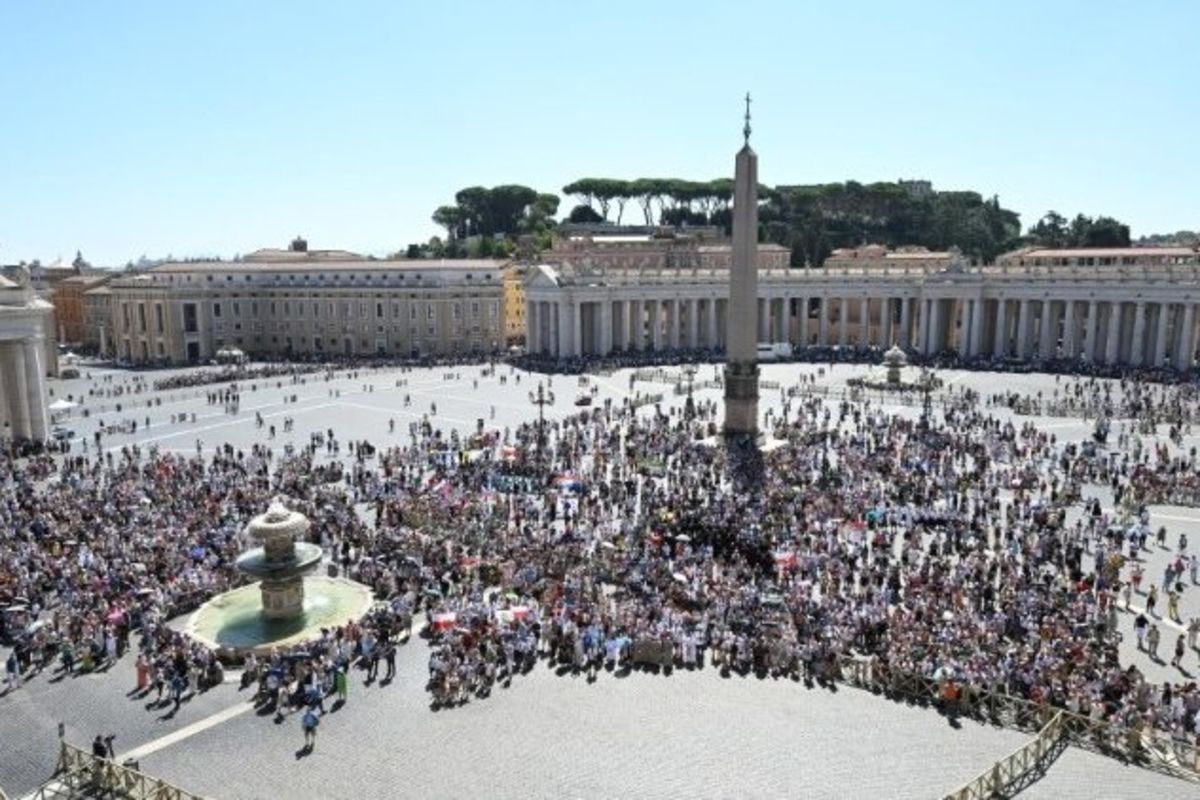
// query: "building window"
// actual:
[[158, 317], [190, 323], [379, 310], [142, 317], [237, 309]]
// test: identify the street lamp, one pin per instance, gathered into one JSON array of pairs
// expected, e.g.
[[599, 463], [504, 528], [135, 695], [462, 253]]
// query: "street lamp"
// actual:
[[689, 375], [541, 398]]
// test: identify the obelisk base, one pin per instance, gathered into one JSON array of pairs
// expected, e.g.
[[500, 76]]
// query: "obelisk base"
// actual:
[[741, 399]]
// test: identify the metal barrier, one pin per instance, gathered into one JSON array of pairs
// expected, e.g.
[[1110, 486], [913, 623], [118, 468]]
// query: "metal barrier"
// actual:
[[1137, 744], [81, 774], [1015, 768]]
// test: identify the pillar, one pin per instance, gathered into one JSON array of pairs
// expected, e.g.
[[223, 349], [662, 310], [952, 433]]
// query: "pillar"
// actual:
[[1159, 350], [1000, 345], [35, 388], [531, 326], [577, 328], [823, 322], [802, 320], [1069, 328], [905, 322], [693, 323], [1187, 344], [675, 307], [1112, 347], [1089, 336], [12, 367], [654, 319], [712, 323], [844, 323], [606, 327], [885, 322], [1046, 330], [977, 307], [933, 329], [864, 322], [562, 348], [1023, 325], [1137, 345]]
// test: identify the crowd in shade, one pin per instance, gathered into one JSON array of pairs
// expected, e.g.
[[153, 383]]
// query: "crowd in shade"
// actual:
[[617, 538]]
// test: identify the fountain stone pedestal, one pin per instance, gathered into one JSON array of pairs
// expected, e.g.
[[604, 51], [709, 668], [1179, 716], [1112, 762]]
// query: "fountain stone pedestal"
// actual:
[[281, 562]]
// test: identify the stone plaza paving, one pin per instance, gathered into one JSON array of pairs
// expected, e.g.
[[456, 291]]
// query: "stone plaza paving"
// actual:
[[644, 735]]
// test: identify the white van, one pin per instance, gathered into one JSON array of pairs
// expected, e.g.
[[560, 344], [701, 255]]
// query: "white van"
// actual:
[[771, 351]]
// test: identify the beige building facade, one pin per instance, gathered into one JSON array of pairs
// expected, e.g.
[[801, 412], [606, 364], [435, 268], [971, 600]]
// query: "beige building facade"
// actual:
[[1138, 310], [277, 303]]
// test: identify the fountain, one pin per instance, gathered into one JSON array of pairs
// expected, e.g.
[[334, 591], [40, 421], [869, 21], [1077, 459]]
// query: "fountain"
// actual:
[[288, 604], [894, 360], [282, 562]]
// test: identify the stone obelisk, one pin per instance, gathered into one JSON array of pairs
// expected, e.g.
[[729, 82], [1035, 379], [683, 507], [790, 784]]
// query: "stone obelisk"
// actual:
[[741, 370]]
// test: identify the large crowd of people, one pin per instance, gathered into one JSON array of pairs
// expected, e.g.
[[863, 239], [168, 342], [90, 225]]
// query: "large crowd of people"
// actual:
[[939, 547]]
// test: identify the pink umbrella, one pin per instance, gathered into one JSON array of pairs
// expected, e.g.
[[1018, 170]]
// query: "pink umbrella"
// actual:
[[445, 621]]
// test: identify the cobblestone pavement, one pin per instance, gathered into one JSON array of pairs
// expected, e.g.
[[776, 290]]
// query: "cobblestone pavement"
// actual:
[[691, 735]]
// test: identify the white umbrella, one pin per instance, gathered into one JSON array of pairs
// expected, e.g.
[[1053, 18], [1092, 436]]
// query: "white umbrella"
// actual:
[[62, 405]]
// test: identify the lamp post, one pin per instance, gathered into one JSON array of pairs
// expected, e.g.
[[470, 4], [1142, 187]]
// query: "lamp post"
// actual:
[[926, 405], [541, 398], [689, 407]]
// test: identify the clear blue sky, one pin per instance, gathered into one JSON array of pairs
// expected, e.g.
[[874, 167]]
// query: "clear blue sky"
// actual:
[[216, 128]]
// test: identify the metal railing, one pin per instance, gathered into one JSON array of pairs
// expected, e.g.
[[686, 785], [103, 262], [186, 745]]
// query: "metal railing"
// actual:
[[81, 774], [1135, 743], [1014, 769]]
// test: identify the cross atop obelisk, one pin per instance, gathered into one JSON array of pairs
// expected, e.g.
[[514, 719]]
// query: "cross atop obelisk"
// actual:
[[746, 127], [741, 370]]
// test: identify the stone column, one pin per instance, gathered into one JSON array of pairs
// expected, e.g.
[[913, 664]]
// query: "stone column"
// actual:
[[977, 309], [1045, 329], [531, 326], [823, 323], [606, 327], [12, 367], [1160, 335], [864, 322], [577, 328], [933, 329], [563, 329], [905, 322], [1069, 329], [802, 320], [1023, 317], [1089, 335], [885, 322], [1000, 346], [35, 388], [843, 321], [1187, 344], [922, 343], [673, 307], [1137, 347], [711, 322], [654, 324], [1112, 345]]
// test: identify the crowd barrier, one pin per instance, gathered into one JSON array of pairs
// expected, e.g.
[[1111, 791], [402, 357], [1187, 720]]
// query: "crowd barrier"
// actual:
[[1132, 743], [81, 774]]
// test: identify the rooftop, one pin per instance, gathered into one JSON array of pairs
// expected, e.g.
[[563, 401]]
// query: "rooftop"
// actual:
[[356, 264], [1104, 252]]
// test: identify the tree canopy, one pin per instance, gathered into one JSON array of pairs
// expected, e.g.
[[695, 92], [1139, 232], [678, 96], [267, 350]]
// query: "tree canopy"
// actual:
[[1053, 230]]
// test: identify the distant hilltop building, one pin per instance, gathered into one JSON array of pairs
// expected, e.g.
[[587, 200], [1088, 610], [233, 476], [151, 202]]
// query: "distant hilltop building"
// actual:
[[876, 256], [916, 188], [300, 302], [587, 248]]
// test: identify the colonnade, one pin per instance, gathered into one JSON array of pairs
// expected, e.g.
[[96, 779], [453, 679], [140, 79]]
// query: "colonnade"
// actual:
[[1109, 330], [23, 389]]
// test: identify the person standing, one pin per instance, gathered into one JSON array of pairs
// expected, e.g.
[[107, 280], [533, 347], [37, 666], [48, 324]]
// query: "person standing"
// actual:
[[1177, 661], [12, 671], [1152, 638], [341, 684], [389, 656], [1140, 625], [310, 721], [1151, 599]]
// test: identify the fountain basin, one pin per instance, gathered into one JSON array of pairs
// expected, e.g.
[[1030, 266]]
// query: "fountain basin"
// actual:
[[233, 623]]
